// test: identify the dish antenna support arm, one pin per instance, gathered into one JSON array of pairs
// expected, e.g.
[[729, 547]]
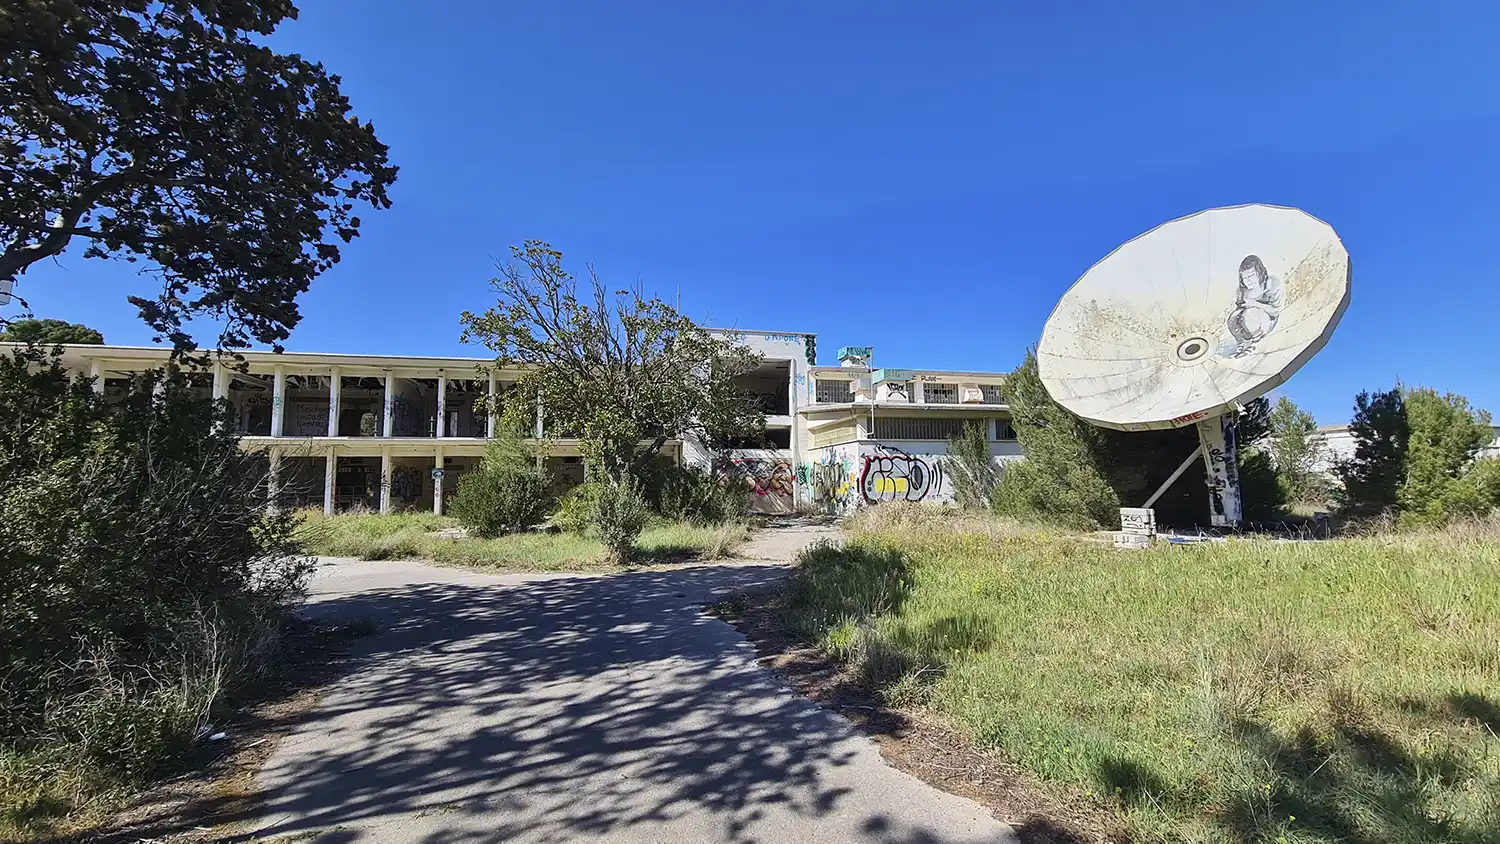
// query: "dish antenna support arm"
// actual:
[[1218, 445]]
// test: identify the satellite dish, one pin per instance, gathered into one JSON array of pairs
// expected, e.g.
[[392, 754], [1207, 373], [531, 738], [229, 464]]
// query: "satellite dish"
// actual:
[[1187, 322]]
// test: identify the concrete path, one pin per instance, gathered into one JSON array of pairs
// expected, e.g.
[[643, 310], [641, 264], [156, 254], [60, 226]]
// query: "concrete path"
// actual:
[[560, 708]]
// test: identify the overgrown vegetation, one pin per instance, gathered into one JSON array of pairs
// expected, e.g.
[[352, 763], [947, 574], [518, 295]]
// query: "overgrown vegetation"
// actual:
[[1062, 478], [620, 513], [417, 536], [1243, 692], [506, 493], [142, 583], [1298, 453], [971, 469], [1415, 459], [622, 373]]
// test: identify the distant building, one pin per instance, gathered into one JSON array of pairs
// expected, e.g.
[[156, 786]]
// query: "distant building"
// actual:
[[395, 432]]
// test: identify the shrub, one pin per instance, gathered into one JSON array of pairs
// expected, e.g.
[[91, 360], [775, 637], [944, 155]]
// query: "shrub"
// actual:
[[130, 534], [491, 502], [506, 493], [1062, 479], [620, 514], [691, 494], [575, 510], [971, 468]]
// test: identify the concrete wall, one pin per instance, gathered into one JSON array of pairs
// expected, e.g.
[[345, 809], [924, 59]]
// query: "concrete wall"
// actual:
[[865, 472]]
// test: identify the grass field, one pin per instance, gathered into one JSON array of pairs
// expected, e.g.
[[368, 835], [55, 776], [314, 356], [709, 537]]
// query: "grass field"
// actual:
[[415, 536], [1250, 691]]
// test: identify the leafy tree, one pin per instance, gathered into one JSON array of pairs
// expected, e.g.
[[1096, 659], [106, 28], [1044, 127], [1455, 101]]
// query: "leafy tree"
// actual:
[[1061, 479], [1445, 434], [50, 332], [1372, 478], [622, 373], [166, 132], [1298, 452], [971, 468]]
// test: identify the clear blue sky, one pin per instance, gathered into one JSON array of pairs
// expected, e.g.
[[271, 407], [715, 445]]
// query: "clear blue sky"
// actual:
[[927, 178]]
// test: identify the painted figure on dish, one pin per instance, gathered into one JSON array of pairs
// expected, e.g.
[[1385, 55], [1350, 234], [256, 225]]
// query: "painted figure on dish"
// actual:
[[1257, 307]]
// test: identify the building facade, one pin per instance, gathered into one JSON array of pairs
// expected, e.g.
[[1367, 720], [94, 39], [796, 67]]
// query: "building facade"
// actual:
[[390, 433]]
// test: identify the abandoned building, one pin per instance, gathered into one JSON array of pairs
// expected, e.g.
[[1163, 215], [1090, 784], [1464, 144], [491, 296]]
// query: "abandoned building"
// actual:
[[389, 433]]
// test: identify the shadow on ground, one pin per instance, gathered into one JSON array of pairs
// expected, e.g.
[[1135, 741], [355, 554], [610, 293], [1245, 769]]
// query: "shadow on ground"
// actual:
[[565, 708]]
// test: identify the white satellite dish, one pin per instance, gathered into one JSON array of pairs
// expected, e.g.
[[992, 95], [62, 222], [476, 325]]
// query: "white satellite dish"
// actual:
[[1187, 322]]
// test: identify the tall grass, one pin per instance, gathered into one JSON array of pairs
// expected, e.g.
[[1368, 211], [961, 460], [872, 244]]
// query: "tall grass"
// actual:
[[105, 742], [424, 536], [1245, 691]]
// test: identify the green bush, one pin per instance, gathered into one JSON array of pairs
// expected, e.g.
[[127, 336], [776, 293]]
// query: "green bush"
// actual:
[[507, 493], [1062, 479], [138, 563], [620, 514], [971, 468], [687, 493], [490, 502], [575, 510]]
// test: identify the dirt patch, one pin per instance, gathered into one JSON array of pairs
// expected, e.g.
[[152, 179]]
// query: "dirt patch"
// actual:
[[922, 744], [217, 793]]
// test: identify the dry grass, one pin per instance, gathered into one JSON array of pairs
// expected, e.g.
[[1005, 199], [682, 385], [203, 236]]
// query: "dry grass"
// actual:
[[424, 536], [1243, 691]]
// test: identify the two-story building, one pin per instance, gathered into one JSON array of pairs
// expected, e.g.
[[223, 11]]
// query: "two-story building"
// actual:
[[386, 433]]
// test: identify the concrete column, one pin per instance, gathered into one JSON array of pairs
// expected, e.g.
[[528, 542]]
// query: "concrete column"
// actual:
[[278, 401], [390, 405], [330, 474], [96, 372], [335, 387], [537, 431], [918, 391], [437, 482], [220, 388], [442, 404], [221, 382], [385, 480], [273, 480], [489, 423]]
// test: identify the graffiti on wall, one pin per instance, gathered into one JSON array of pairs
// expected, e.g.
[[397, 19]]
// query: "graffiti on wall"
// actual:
[[765, 475], [829, 481], [894, 475], [406, 483]]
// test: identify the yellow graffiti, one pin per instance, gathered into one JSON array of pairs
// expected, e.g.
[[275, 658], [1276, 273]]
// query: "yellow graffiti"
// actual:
[[890, 486]]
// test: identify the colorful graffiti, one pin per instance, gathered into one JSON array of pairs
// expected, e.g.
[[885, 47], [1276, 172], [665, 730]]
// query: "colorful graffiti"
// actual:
[[830, 480], [894, 475], [765, 475]]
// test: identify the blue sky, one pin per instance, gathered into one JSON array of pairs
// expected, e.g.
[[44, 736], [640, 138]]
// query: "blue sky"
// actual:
[[926, 178]]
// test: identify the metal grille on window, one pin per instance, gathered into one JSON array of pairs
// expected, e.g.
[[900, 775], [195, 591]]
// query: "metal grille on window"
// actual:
[[992, 394], [1004, 430], [899, 428], [940, 393], [833, 391]]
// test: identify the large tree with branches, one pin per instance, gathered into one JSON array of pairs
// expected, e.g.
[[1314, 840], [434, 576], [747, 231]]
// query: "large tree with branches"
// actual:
[[623, 373], [164, 131]]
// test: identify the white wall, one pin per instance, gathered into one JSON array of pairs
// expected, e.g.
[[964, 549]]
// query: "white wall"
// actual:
[[867, 472]]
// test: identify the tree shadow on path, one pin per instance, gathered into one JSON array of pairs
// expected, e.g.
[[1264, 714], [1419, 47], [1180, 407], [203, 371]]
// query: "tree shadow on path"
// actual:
[[555, 709]]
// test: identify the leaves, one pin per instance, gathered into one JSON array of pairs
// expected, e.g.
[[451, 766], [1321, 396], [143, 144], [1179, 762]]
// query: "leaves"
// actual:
[[622, 373], [50, 332], [167, 132]]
